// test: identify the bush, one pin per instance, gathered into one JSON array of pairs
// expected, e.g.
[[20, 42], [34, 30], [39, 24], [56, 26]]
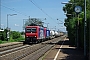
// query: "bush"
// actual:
[[14, 37], [0, 41], [19, 39], [11, 40], [15, 34]]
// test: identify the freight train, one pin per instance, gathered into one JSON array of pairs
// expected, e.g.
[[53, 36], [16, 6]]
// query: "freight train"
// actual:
[[35, 34]]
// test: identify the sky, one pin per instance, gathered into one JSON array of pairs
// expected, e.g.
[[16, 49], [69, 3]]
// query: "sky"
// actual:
[[49, 9]]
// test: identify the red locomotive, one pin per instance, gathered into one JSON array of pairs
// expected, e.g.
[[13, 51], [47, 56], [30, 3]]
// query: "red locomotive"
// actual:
[[34, 34]]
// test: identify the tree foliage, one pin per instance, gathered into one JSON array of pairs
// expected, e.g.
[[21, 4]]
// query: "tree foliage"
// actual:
[[34, 21], [15, 34], [71, 22]]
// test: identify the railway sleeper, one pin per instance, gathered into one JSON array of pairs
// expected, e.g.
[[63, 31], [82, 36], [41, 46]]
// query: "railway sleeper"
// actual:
[[15, 54], [10, 47]]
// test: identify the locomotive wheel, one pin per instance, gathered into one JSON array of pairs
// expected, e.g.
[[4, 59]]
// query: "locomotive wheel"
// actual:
[[36, 42]]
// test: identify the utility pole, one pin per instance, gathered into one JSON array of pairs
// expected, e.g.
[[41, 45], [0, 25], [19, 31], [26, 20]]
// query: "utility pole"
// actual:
[[0, 14], [24, 22], [85, 29], [8, 25], [77, 31], [29, 17], [47, 24]]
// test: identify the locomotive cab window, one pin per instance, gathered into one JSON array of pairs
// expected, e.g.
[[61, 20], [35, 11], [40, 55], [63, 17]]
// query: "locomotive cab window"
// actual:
[[33, 30]]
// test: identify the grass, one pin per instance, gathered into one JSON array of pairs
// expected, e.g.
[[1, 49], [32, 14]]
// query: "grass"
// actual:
[[2, 42], [12, 40]]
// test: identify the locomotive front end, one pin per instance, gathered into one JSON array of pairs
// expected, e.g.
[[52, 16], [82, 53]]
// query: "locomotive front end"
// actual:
[[30, 34]]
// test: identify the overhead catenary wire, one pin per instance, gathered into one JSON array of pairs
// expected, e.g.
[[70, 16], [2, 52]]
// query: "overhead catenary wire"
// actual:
[[27, 15], [40, 9], [33, 2], [13, 10]]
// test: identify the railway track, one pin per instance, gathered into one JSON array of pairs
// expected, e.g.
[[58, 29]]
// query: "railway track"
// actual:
[[8, 46], [27, 52]]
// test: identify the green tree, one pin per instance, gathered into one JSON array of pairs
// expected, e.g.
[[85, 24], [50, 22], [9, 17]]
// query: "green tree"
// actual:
[[3, 35], [72, 26], [72, 20], [34, 21], [22, 33], [15, 34]]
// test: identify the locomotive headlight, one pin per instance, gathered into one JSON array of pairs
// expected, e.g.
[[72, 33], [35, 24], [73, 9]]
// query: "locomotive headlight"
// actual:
[[26, 36], [35, 36]]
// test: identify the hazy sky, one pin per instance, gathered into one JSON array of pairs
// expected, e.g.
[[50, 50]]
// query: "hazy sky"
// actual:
[[49, 9]]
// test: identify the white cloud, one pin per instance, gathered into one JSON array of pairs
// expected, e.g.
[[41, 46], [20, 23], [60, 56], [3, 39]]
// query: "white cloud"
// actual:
[[16, 25]]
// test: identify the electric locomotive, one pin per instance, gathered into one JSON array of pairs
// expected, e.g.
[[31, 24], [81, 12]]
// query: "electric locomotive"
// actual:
[[34, 34]]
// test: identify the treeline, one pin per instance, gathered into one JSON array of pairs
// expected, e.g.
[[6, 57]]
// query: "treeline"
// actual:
[[15, 36], [75, 24]]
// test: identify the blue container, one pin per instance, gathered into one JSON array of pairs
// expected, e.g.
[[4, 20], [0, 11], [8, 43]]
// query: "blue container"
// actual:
[[47, 33]]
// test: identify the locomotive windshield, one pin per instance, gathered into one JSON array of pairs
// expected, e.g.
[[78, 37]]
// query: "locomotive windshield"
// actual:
[[33, 30]]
